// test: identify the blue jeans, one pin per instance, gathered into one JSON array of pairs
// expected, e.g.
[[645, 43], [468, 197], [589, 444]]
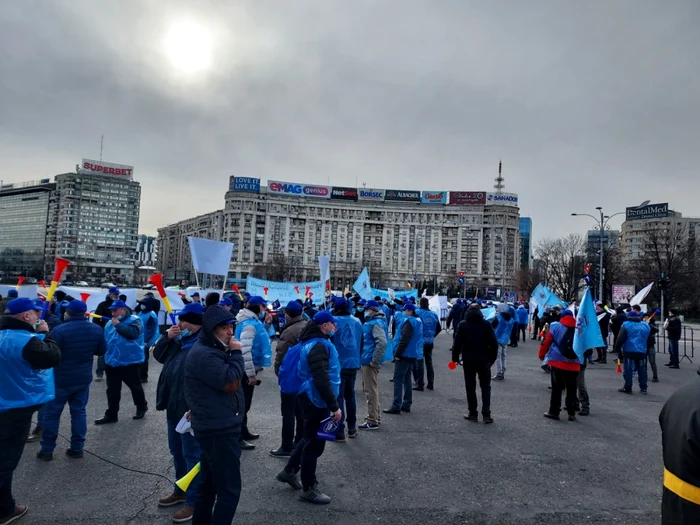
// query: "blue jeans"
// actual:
[[403, 392], [641, 366], [185, 452], [347, 401], [220, 478], [673, 352], [40, 417], [77, 399]]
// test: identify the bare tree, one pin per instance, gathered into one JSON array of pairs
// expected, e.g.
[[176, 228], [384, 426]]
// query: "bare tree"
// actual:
[[526, 280], [561, 264]]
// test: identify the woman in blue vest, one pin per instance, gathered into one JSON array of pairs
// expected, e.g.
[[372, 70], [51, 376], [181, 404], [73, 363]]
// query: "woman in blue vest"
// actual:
[[124, 337], [408, 347], [27, 353], [503, 326], [148, 313], [431, 328], [319, 372]]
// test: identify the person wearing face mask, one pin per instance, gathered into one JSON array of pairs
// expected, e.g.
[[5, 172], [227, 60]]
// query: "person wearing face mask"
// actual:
[[27, 353], [291, 412], [171, 350], [149, 317], [253, 330], [214, 370], [124, 337], [104, 311], [359, 312], [226, 303], [319, 371], [408, 347]]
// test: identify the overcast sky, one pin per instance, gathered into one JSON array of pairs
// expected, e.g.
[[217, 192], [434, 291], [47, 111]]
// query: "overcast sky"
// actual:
[[587, 103]]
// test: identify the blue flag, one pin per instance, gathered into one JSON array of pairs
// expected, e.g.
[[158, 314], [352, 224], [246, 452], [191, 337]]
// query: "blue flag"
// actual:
[[587, 329], [362, 285], [551, 301], [539, 294]]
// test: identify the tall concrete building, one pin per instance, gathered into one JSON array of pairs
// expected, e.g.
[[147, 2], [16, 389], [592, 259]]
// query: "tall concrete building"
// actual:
[[146, 251], [395, 233], [27, 217], [525, 242]]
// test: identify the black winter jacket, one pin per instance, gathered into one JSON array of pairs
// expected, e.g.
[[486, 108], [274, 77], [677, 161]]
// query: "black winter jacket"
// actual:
[[475, 341], [170, 392], [318, 363]]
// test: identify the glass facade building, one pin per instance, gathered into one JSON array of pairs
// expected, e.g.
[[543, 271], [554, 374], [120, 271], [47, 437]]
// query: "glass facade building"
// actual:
[[525, 242]]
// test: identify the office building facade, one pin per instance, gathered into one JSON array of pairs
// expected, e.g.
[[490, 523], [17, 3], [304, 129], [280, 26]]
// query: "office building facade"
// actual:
[[396, 234], [146, 251], [525, 243]]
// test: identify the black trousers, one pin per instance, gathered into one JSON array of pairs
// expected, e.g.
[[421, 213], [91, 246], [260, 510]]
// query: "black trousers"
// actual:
[[291, 416], [514, 335], [523, 331], [308, 450], [129, 375], [14, 428], [563, 380], [471, 371], [248, 391], [420, 369], [143, 367], [220, 479]]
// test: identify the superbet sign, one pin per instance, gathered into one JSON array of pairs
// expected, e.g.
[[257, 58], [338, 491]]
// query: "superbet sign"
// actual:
[[96, 167]]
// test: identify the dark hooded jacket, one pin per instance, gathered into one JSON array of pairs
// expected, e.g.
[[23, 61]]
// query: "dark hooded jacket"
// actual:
[[475, 340], [617, 321], [170, 392], [212, 379], [318, 363]]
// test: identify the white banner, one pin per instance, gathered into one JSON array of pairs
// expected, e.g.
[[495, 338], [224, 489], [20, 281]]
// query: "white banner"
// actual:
[[26, 290], [97, 295], [209, 256], [324, 264]]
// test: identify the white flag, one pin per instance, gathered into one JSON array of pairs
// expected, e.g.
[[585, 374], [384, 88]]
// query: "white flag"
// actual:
[[210, 256], [637, 299], [324, 265]]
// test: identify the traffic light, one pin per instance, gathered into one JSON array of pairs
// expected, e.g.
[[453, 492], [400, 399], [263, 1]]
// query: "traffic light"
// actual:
[[663, 282], [461, 274]]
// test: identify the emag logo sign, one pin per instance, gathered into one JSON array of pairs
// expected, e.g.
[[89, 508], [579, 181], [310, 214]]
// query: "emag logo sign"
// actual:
[[301, 190], [370, 194], [651, 211], [434, 197], [502, 199]]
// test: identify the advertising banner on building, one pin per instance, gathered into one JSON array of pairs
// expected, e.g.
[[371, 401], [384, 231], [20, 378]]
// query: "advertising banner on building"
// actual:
[[96, 167], [285, 292], [300, 190], [345, 194], [370, 194], [623, 293], [402, 195], [502, 199], [403, 294], [468, 197], [434, 197], [651, 211], [246, 184]]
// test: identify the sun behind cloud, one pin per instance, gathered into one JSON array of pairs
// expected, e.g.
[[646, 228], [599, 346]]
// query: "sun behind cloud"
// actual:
[[189, 46]]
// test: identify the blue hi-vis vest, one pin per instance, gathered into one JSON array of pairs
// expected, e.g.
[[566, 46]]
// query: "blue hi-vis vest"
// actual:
[[415, 346], [637, 335], [144, 320], [370, 344], [120, 350], [503, 330], [307, 381], [347, 341], [262, 347], [20, 384], [430, 321]]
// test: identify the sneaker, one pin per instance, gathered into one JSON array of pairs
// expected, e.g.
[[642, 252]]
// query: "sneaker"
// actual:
[[668, 364], [395, 411], [20, 510], [315, 496], [430, 386], [572, 418], [405, 409], [183, 515], [98, 378], [644, 392], [674, 367], [625, 391], [290, 478], [280, 453], [498, 377], [46, 456], [105, 420], [352, 433], [418, 388], [474, 418], [171, 500], [34, 436], [584, 412], [140, 412], [368, 426], [655, 380], [488, 420], [551, 416], [76, 454], [340, 438]]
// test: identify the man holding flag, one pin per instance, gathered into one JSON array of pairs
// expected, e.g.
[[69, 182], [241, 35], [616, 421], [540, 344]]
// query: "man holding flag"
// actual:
[[586, 338]]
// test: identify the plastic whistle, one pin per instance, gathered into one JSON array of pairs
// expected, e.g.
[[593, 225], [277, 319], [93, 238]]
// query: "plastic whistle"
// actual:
[[157, 280], [235, 289]]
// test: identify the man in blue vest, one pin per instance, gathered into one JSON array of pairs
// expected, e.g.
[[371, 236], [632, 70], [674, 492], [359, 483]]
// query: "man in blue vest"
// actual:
[[319, 371], [124, 338], [374, 347], [632, 341], [408, 347], [27, 351], [80, 341], [148, 313], [253, 330], [348, 342], [503, 326], [172, 349], [431, 328], [104, 311], [523, 316]]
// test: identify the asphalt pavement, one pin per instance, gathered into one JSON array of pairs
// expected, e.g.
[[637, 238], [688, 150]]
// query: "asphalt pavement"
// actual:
[[427, 466]]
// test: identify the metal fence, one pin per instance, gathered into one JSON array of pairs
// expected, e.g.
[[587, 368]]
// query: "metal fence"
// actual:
[[686, 345]]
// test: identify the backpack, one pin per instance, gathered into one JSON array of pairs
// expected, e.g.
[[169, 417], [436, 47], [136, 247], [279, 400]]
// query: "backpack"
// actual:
[[288, 377], [566, 346]]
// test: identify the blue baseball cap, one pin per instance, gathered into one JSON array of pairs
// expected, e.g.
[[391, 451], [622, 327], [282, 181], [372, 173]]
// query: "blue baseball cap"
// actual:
[[192, 313], [21, 305], [113, 290], [118, 304], [362, 302], [256, 299], [226, 302], [13, 293], [293, 308], [568, 313], [324, 316], [410, 306], [372, 304], [631, 313], [195, 294], [76, 307], [341, 302]]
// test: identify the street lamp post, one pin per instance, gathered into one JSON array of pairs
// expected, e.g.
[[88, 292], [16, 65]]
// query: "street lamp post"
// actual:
[[602, 223]]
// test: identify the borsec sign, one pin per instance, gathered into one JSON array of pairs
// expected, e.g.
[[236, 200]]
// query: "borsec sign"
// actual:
[[502, 199], [301, 190], [370, 194]]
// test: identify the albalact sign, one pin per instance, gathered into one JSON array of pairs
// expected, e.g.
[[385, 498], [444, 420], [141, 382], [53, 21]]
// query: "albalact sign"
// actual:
[[501, 199]]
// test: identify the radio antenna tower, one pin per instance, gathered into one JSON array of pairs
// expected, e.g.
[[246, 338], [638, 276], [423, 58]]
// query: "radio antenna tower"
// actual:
[[102, 143], [500, 186]]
